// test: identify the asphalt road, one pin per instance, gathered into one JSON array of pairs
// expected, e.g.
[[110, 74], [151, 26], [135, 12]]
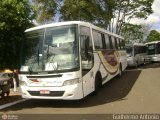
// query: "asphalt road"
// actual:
[[137, 91]]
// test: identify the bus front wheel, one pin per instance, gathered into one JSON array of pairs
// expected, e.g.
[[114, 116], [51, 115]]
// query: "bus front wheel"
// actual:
[[97, 84]]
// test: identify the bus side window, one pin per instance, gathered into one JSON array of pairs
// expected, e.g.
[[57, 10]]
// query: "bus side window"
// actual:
[[97, 40], [122, 44], [110, 41], [116, 43], [107, 41], [113, 42], [103, 41], [119, 44]]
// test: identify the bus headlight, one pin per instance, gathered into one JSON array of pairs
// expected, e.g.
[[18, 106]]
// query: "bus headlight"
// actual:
[[22, 83], [71, 82]]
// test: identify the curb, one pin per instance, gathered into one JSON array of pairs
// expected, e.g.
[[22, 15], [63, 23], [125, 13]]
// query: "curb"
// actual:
[[13, 103]]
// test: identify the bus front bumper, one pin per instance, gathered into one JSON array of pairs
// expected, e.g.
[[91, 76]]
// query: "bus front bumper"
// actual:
[[70, 92]]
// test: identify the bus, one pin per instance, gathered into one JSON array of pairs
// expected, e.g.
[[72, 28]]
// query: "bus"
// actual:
[[69, 60], [153, 51], [136, 54]]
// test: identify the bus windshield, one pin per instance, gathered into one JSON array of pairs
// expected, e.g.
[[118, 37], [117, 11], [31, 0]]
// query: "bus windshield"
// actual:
[[151, 49], [51, 49]]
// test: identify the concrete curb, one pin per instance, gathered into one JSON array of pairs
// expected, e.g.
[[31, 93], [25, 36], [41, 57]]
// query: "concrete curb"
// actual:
[[13, 103]]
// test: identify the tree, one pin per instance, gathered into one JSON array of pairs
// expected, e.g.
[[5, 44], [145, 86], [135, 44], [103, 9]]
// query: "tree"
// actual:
[[125, 10], [98, 12], [109, 14], [45, 10], [15, 17], [133, 33], [153, 36]]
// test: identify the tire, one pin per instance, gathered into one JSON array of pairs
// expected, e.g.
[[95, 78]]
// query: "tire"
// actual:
[[97, 84]]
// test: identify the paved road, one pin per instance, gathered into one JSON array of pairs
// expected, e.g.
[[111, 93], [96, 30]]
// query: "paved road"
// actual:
[[137, 91]]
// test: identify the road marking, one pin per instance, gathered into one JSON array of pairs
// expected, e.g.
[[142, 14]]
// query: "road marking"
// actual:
[[13, 103]]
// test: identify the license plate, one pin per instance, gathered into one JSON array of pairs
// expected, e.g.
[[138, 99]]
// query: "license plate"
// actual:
[[5, 83], [44, 92]]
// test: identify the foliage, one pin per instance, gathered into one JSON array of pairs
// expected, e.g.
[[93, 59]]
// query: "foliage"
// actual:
[[153, 36], [133, 33], [98, 12], [125, 10], [109, 14], [15, 17], [45, 10]]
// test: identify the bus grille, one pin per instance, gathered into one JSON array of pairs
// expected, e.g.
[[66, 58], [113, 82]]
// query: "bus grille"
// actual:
[[51, 94]]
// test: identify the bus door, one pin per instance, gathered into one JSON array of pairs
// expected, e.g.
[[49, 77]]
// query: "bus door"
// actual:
[[86, 53]]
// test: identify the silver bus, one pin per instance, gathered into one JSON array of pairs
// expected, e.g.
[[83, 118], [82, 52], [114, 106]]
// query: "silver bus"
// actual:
[[136, 54], [153, 50]]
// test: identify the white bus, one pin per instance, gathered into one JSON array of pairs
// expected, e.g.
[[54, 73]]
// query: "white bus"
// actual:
[[136, 54], [69, 60], [153, 51]]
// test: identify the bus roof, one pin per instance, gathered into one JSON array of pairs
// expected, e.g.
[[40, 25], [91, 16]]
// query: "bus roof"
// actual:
[[153, 42], [70, 23]]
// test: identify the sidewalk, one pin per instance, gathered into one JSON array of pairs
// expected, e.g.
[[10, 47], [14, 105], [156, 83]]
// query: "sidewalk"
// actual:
[[13, 96]]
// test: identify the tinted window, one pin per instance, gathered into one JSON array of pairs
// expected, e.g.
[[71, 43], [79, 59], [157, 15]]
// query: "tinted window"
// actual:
[[113, 42], [122, 44], [119, 44], [110, 41], [97, 40], [107, 42], [116, 43]]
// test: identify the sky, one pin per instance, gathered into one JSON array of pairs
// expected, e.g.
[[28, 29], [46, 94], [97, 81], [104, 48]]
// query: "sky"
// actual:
[[153, 20]]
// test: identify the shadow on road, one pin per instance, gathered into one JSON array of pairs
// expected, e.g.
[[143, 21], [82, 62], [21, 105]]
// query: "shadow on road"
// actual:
[[115, 90]]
